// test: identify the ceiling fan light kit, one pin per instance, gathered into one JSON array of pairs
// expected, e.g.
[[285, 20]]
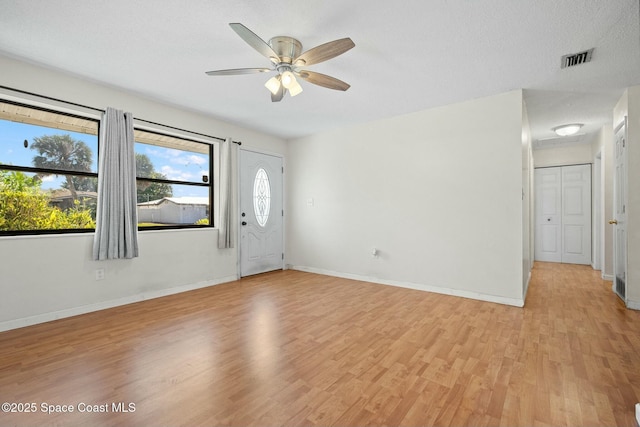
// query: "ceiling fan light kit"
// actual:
[[284, 53]]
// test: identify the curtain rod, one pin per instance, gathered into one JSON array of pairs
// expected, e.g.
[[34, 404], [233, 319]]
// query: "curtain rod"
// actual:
[[75, 104]]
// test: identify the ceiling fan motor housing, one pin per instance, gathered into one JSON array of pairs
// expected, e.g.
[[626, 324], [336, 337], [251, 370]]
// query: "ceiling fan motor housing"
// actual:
[[287, 48]]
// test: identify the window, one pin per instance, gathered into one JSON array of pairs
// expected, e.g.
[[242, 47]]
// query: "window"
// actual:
[[48, 171], [261, 197], [49, 174], [173, 180]]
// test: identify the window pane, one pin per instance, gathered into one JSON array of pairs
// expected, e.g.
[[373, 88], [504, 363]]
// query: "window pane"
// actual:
[[28, 145], [153, 161], [40, 191], [29, 201], [172, 204], [178, 190]]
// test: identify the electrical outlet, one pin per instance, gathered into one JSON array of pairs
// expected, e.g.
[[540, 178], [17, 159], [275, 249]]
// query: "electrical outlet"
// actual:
[[100, 274]]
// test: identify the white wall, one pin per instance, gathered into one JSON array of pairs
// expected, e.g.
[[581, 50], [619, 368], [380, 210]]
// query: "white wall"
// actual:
[[44, 277], [629, 105], [562, 156], [438, 192]]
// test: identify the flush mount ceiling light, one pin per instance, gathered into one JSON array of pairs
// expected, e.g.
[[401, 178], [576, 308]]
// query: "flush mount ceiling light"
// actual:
[[284, 53], [566, 130]]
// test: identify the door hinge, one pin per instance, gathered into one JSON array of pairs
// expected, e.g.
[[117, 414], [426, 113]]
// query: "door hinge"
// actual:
[[283, 256], [282, 169]]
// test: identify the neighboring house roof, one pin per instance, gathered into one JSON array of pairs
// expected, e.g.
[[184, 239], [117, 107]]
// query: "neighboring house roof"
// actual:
[[64, 193], [178, 201]]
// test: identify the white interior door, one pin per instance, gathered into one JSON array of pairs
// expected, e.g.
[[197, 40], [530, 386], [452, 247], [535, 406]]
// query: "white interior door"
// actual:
[[548, 244], [576, 214], [261, 213], [563, 214], [620, 212]]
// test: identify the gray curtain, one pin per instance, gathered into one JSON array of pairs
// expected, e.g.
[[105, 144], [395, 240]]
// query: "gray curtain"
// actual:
[[226, 229], [117, 217]]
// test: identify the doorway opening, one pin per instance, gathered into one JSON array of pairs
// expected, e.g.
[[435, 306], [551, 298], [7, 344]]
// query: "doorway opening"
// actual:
[[563, 214]]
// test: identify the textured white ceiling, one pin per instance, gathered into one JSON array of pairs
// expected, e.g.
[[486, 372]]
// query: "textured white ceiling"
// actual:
[[410, 55]]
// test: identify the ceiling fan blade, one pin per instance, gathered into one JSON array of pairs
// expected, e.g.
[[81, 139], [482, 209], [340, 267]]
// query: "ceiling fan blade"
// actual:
[[323, 80], [238, 71], [324, 52], [255, 42], [277, 97]]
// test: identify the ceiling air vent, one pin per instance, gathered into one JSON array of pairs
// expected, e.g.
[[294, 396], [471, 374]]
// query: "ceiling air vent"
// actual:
[[574, 59]]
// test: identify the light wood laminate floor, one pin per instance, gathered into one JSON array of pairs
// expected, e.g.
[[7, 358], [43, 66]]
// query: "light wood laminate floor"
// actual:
[[293, 348]]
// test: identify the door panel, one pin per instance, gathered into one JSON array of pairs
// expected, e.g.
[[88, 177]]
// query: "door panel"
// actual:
[[573, 202], [550, 201], [549, 240], [261, 214], [573, 243], [255, 246]]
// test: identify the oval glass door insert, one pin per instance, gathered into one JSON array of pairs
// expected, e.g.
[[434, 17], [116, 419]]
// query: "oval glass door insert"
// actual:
[[261, 197]]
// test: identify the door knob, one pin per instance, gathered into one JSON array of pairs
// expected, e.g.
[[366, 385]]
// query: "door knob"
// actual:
[[244, 222], [613, 221]]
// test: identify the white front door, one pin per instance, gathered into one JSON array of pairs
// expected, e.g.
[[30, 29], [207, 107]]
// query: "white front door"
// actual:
[[620, 212], [261, 213], [563, 214]]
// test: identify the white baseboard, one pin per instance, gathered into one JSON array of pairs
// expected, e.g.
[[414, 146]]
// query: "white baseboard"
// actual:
[[417, 286], [634, 305], [608, 277], [526, 289], [69, 312], [638, 413]]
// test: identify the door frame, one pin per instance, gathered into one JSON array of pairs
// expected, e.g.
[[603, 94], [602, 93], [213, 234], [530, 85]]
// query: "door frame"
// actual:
[[284, 203], [596, 218]]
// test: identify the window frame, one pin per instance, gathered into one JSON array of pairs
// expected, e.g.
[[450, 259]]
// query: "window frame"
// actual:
[[50, 171], [210, 183]]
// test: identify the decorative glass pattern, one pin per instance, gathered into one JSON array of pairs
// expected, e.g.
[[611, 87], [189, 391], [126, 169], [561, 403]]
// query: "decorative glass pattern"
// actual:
[[261, 197]]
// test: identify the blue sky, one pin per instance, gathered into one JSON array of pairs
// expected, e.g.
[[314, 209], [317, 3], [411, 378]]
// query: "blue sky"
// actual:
[[174, 164]]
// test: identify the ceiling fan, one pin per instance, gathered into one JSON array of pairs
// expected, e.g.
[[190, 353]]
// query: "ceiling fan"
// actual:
[[284, 53]]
